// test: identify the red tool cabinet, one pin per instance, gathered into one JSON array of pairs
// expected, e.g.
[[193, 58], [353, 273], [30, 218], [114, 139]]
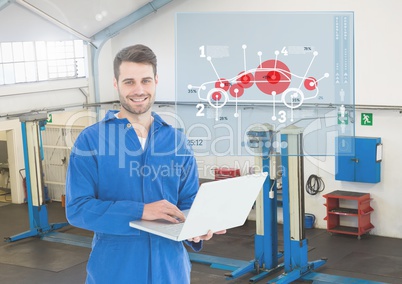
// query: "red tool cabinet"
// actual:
[[335, 210], [223, 173]]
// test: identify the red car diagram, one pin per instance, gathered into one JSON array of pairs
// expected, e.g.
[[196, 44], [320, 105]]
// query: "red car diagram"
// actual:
[[272, 77]]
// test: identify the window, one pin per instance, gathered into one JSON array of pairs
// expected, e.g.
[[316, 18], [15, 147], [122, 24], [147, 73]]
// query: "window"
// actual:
[[22, 62]]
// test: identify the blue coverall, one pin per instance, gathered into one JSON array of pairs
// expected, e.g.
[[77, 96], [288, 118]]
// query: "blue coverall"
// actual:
[[109, 179]]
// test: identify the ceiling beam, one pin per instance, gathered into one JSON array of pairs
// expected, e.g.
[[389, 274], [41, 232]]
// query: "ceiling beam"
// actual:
[[114, 29], [4, 4]]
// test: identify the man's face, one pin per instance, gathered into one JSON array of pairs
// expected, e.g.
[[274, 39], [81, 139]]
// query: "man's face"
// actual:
[[136, 86]]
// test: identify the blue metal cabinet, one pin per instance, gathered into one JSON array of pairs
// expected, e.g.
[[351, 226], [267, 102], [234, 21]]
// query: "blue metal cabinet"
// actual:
[[358, 159]]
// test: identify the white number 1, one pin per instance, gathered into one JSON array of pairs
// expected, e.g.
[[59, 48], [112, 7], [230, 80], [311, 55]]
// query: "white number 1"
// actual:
[[202, 51]]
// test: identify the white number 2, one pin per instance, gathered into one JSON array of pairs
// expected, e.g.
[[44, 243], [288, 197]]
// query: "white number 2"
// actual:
[[200, 111]]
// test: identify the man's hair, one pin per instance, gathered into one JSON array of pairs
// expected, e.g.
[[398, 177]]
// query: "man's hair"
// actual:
[[136, 53]]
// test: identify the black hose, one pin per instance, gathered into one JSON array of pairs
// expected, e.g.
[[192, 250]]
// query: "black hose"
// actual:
[[314, 185]]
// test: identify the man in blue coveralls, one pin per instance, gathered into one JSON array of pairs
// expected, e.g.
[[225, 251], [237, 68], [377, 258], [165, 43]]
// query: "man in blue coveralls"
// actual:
[[132, 165]]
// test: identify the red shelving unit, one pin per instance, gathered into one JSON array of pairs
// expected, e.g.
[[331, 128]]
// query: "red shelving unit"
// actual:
[[335, 211]]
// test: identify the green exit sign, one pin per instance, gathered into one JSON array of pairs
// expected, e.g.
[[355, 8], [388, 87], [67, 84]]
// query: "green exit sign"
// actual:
[[367, 119]]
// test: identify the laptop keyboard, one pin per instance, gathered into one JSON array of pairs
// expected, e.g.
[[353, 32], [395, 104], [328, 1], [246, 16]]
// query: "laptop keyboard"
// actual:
[[174, 229]]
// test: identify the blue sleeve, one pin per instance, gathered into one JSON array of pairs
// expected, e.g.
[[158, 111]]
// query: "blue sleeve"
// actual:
[[195, 246], [84, 209], [189, 183], [188, 190]]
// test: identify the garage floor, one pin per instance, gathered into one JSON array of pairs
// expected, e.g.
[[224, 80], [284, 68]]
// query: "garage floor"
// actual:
[[37, 261]]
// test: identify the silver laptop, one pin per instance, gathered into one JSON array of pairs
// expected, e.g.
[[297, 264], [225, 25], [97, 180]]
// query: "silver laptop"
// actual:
[[218, 205]]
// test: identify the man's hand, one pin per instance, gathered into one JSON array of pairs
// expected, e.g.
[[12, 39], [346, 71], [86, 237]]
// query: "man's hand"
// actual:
[[163, 209], [206, 237]]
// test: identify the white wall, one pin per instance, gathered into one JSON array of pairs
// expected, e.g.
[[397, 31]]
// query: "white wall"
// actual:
[[25, 97], [18, 24], [105, 63], [377, 43], [387, 194]]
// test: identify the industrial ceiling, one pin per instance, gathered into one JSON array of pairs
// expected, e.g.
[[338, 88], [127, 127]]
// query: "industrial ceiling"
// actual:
[[86, 19]]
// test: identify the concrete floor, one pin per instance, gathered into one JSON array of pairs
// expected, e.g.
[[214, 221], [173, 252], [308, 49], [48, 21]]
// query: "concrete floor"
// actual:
[[37, 261]]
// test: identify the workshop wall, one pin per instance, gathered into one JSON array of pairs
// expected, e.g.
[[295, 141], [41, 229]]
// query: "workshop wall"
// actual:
[[376, 47], [377, 44]]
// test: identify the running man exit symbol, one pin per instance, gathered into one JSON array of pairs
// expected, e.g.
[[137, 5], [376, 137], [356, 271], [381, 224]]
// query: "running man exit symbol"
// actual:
[[367, 119]]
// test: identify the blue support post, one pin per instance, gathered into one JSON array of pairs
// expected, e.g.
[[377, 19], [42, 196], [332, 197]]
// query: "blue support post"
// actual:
[[295, 244], [286, 209], [266, 249]]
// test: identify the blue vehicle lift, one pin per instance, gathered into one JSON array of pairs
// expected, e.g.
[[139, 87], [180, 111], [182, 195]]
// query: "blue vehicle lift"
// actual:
[[39, 226], [296, 263], [295, 257]]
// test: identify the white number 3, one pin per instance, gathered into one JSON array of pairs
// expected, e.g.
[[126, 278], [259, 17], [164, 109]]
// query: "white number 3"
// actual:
[[282, 117]]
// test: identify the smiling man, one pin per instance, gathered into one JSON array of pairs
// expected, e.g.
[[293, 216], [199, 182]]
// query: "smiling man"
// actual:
[[104, 193]]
